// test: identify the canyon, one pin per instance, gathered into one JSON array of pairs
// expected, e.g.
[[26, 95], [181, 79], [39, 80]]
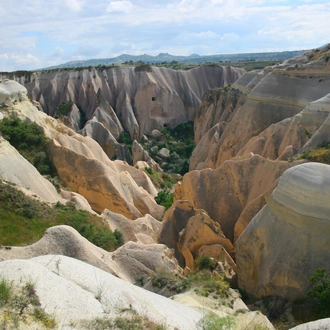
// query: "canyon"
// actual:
[[250, 200]]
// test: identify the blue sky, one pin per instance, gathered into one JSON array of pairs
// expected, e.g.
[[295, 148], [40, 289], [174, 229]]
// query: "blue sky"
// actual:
[[41, 33]]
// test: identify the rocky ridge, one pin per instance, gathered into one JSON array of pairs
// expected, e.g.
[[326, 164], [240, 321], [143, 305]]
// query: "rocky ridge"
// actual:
[[117, 98]]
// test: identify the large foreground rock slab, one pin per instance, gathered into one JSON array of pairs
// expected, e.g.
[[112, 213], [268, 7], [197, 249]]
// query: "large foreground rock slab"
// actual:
[[74, 291], [289, 238]]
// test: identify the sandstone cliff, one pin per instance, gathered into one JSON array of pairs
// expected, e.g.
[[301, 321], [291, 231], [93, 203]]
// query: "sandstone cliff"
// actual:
[[81, 164], [289, 238], [227, 191], [119, 97], [275, 112]]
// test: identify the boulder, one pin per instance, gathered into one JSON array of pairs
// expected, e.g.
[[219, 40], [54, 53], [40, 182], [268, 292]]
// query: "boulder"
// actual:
[[140, 154], [163, 153], [288, 239]]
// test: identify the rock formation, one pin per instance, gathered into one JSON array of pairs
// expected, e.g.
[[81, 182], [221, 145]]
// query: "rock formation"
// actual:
[[15, 169], [275, 113], [288, 239], [78, 293], [82, 165], [226, 191], [143, 230], [190, 231], [127, 262], [120, 97], [200, 232]]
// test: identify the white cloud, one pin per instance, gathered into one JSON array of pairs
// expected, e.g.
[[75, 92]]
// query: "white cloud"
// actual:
[[75, 5], [120, 6], [25, 59], [4, 56], [71, 29]]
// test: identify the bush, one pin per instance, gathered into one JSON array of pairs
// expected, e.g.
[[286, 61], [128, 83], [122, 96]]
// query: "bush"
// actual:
[[143, 67], [165, 198], [320, 291], [204, 262], [63, 109]]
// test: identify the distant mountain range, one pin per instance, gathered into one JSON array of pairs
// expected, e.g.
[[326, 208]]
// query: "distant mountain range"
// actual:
[[193, 58]]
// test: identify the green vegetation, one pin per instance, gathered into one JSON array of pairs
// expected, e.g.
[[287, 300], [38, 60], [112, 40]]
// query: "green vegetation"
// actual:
[[180, 142], [23, 220], [129, 320], [215, 322], [204, 282], [165, 198], [207, 283], [143, 67], [320, 291], [29, 140], [63, 109], [162, 180], [320, 155], [172, 282], [317, 305], [125, 138], [20, 305], [204, 262]]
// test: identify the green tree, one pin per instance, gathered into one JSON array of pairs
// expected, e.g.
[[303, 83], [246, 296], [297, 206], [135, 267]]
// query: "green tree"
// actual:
[[165, 198], [320, 291]]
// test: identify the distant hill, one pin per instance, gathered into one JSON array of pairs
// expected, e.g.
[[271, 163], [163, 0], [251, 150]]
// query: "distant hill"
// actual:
[[194, 58]]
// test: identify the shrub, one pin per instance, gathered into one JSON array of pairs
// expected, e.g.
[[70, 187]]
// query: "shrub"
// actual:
[[143, 67], [320, 291], [204, 262], [63, 109], [165, 198]]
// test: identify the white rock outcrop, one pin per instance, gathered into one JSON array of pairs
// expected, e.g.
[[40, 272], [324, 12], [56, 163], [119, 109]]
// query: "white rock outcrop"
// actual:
[[76, 292], [11, 92]]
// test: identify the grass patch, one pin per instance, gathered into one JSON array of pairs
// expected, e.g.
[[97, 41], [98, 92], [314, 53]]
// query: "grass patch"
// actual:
[[128, 320], [24, 220], [20, 305], [212, 322]]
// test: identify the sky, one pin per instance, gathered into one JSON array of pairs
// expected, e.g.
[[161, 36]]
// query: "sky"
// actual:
[[36, 34]]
